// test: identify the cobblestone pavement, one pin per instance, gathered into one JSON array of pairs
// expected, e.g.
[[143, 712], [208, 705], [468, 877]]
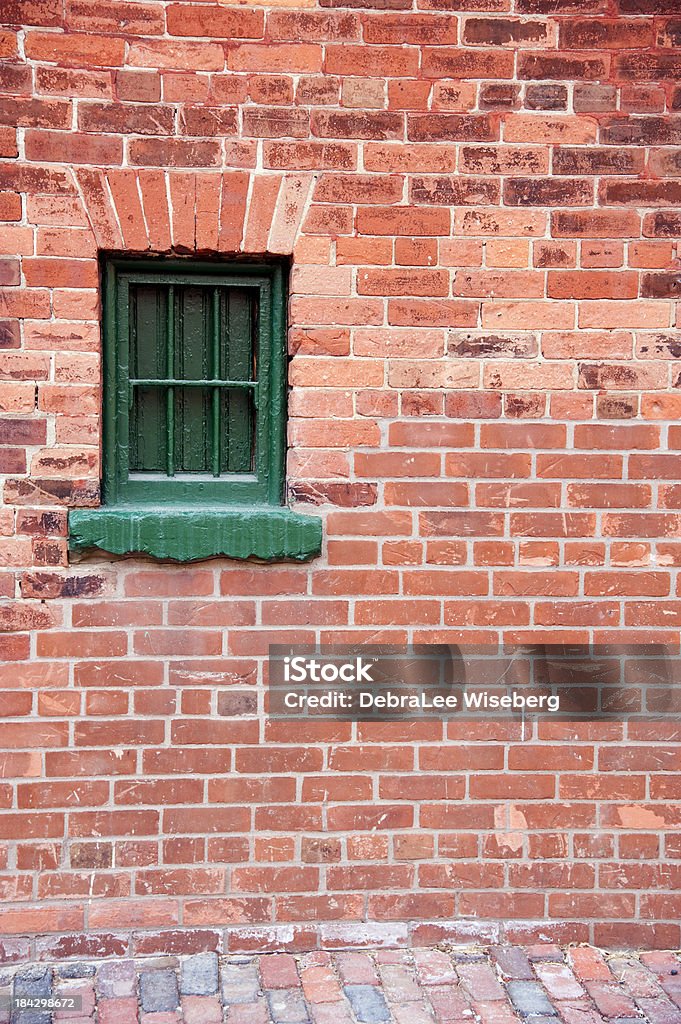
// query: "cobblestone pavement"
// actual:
[[495, 985]]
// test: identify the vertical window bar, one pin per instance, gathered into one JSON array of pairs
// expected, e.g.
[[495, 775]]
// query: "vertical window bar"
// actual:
[[170, 395], [215, 396]]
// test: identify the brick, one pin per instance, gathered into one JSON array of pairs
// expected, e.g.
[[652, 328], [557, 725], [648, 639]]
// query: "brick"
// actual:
[[638, 314], [315, 89], [453, 190], [434, 313], [509, 284], [402, 220], [173, 153], [647, 67], [663, 224], [392, 157], [10, 207], [309, 155], [341, 125], [318, 26], [201, 1010], [455, 127], [215, 22], [123, 1010], [619, 377], [75, 49], [181, 56], [642, 193], [509, 160], [420, 29], [597, 160], [138, 86], [186, 87], [501, 31], [145, 19], [281, 57], [607, 33], [8, 42], [451, 63], [549, 129], [138, 118], [594, 285], [363, 92], [29, 12], [68, 82], [546, 97], [611, 496], [389, 61], [35, 113], [272, 122], [563, 66], [660, 286], [16, 79], [399, 282], [548, 192]]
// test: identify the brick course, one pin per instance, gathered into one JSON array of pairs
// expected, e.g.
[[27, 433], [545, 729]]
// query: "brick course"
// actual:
[[483, 340]]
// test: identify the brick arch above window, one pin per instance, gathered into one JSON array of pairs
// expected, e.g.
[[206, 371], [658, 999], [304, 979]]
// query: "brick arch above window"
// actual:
[[156, 210]]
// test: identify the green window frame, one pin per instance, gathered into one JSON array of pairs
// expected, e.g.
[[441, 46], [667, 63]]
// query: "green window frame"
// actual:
[[194, 414], [194, 378]]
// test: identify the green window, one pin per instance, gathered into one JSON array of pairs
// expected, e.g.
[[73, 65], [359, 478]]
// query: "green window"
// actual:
[[194, 414], [194, 370]]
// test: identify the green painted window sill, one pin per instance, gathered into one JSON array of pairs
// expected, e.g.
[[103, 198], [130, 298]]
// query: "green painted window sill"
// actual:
[[186, 534]]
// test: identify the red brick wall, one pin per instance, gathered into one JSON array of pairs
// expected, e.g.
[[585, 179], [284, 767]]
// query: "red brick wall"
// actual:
[[480, 199]]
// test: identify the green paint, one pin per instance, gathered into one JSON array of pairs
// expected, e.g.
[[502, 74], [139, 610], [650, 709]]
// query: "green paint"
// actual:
[[215, 396], [194, 382], [170, 392], [188, 534], [194, 415]]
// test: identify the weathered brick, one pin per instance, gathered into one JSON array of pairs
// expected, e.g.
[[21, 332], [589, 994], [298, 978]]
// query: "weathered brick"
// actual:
[[546, 97], [480, 207], [140, 120], [453, 127], [548, 192], [372, 125], [563, 66], [173, 153], [214, 22]]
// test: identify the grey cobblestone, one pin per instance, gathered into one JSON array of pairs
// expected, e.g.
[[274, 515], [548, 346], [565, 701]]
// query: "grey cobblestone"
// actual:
[[30, 1017], [33, 981], [528, 997], [158, 991], [368, 1003], [199, 975], [240, 983]]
